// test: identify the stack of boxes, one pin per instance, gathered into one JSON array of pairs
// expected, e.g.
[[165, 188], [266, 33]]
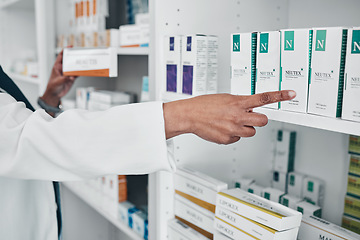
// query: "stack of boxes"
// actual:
[[133, 217], [242, 215], [195, 199], [191, 64], [351, 218]]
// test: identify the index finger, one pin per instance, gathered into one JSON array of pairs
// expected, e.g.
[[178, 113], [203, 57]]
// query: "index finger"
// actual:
[[265, 98]]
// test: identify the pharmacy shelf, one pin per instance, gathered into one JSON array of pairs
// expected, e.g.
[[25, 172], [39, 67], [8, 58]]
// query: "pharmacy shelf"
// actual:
[[302, 119], [116, 222], [17, 3], [23, 78], [140, 51]]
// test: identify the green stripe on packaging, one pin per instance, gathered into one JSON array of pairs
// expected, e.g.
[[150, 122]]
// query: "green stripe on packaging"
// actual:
[[341, 75]]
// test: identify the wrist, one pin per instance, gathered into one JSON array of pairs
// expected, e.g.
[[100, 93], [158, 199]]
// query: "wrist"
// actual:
[[177, 118], [51, 99]]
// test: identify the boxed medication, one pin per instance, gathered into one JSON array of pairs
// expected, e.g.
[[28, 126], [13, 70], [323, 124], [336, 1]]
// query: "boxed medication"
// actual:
[[173, 63], [194, 64], [273, 194], [117, 192], [295, 67], [290, 201], [219, 236], [198, 187], [250, 227], [99, 106], [111, 97], [194, 214], [352, 206], [255, 189], [268, 63], [125, 212], [285, 151], [140, 224], [327, 71], [178, 230], [243, 63], [263, 211], [308, 209], [353, 185], [145, 94], [316, 228], [351, 111], [279, 180], [231, 231], [109, 38], [354, 165], [130, 35], [314, 190], [244, 183], [354, 144], [83, 96], [212, 64], [352, 224], [295, 184], [142, 19], [90, 62]]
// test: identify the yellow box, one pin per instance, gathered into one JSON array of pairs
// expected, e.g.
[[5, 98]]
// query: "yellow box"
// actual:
[[353, 185], [351, 224], [354, 144], [354, 165], [352, 206]]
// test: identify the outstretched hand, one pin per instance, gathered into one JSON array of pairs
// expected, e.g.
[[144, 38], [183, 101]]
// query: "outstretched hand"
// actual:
[[220, 118], [58, 85]]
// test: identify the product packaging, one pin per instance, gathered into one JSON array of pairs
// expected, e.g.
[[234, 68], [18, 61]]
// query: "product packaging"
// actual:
[[219, 236], [314, 190], [255, 189], [273, 194], [295, 67], [279, 180], [354, 144], [327, 71], [83, 96], [178, 230], [140, 224], [285, 151], [290, 201], [308, 209], [243, 63], [110, 97], [353, 185], [130, 35], [352, 206], [212, 64], [125, 212], [352, 224], [268, 64], [295, 184], [173, 63], [354, 165], [244, 183]]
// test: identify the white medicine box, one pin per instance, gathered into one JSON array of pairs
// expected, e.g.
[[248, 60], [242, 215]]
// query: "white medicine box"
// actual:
[[285, 151], [314, 190], [173, 63], [295, 184]]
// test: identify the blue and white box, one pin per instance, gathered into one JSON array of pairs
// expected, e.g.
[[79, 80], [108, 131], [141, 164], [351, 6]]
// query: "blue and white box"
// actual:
[[173, 63]]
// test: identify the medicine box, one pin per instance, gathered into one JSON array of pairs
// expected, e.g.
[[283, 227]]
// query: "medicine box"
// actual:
[[316, 228], [130, 35], [353, 187], [96, 62], [194, 214], [243, 63], [194, 64], [354, 144], [290, 201], [83, 96], [212, 64], [140, 224], [327, 71], [251, 227], [110, 97], [219, 236], [244, 183], [295, 184], [308, 209], [231, 231], [178, 230], [354, 165], [255, 189], [351, 110], [173, 63], [198, 187], [352, 206], [295, 67], [285, 151], [279, 180], [352, 224], [273, 194], [314, 190], [268, 63], [263, 211], [125, 211]]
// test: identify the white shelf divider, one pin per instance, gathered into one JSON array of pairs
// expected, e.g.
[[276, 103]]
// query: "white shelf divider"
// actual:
[[141, 51], [116, 222], [22, 78]]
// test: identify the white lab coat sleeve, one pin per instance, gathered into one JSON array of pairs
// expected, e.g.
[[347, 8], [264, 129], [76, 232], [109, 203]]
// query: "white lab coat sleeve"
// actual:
[[78, 144]]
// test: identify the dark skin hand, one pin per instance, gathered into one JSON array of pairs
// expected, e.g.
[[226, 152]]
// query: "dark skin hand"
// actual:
[[220, 118]]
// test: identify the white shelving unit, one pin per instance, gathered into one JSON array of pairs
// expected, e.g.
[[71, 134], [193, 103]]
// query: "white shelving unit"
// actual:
[[116, 222], [126, 51], [16, 3], [23, 78]]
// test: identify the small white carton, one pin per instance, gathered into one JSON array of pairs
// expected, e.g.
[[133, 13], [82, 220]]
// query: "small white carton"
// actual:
[[110, 97], [198, 187], [212, 64], [255, 189], [351, 110], [279, 181], [194, 64], [244, 183], [130, 35], [295, 184], [243, 63], [219, 236], [316, 228], [268, 64], [263, 211], [125, 209], [140, 224], [314, 190], [172, 53], [285, 151], [308, 209], [290, 201], [178, 230], [327, 71], [231, 231]]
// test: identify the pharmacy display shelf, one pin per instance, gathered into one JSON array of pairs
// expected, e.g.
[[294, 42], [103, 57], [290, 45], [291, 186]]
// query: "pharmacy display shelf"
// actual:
[[302, 119], [116, 222], [141, 51], [23, 78], [17, 3]]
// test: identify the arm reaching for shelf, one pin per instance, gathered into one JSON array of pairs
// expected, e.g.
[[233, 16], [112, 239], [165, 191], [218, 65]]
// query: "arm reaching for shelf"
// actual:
[[220, 118]]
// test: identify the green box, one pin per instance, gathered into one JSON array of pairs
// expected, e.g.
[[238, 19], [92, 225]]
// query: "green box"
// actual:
[[354, 167], [353, 187], [354, 144], [352, 206]]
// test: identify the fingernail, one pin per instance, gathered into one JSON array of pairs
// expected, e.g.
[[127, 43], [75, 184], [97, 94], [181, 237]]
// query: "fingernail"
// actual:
[[292, 94]]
